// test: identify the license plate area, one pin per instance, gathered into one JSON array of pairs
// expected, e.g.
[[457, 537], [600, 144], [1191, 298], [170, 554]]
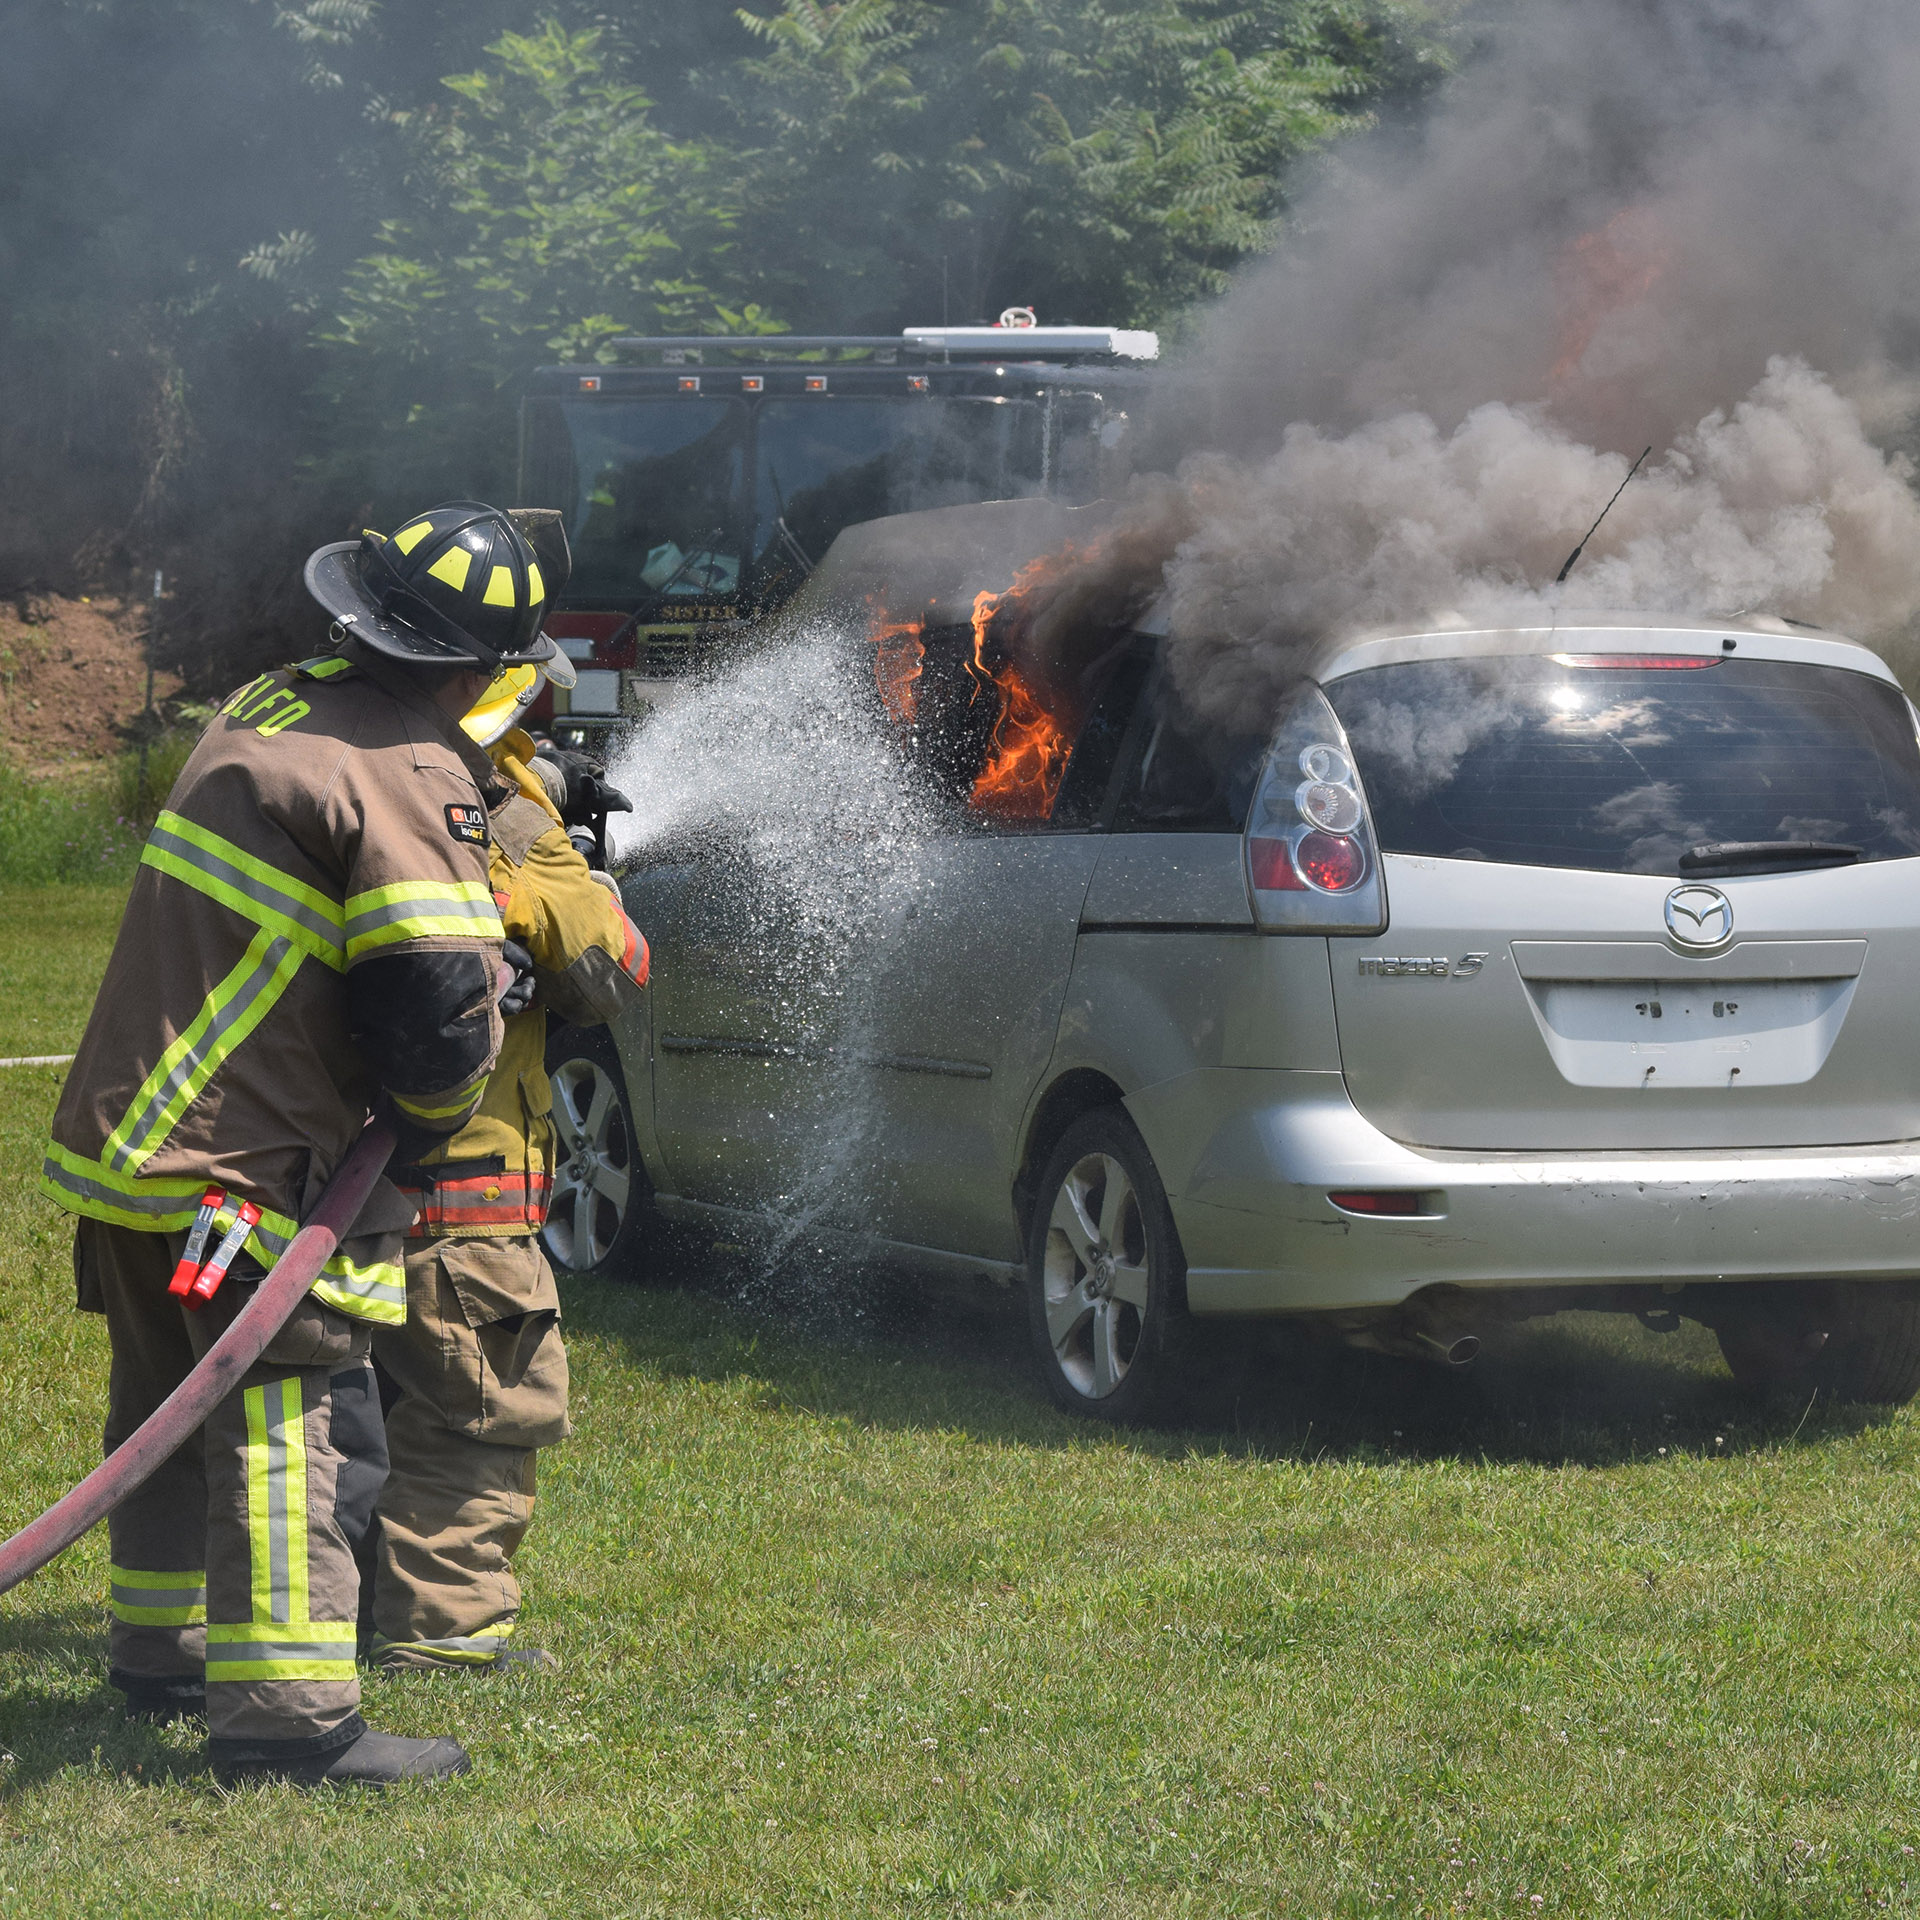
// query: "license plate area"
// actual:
[[1662, 1034]]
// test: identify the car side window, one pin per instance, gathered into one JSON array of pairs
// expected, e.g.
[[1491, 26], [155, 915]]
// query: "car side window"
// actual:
[[1182, 776], [1102, 740]]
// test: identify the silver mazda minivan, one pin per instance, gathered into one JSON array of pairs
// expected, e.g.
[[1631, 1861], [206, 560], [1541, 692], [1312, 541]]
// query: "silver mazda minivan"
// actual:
[[1497, 972]]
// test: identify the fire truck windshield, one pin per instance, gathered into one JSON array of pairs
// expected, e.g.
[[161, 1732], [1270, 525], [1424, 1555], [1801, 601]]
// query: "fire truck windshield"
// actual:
[[823, 464], [686, 498], [656, 485]]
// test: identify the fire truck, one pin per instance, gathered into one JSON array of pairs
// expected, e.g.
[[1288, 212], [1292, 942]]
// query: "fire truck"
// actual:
[[703, 477]]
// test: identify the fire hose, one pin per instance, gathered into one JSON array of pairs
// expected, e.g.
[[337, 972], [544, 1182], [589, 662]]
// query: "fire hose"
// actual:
[[144, 1452]]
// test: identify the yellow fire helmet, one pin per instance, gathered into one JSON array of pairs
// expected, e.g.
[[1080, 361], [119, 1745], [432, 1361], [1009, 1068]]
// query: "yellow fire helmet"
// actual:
[[498, 710]]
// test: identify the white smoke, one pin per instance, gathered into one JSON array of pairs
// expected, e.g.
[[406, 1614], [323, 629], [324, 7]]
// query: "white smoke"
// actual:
[[782, 778], [1780, 504], [774, 805]]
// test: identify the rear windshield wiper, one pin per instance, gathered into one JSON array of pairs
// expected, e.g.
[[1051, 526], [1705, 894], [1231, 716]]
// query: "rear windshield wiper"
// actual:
[[1766, 856]]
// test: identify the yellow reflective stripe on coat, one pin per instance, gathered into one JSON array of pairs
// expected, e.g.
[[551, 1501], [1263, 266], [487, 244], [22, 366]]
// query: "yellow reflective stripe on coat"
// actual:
[[368, 1290], [228, 1014], [419, 909], [146, 1598], [472, 1649], [85, 1186], [294, 1650], [376, 1291], [199, 858], [443, 1106]]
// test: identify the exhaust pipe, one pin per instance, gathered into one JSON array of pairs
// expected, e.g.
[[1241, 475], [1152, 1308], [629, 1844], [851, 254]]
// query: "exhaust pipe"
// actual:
[[1416, 1336], [1451, 1349]]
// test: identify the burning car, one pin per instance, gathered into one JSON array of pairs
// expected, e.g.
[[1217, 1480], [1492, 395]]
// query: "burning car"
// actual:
[[1495, 972]]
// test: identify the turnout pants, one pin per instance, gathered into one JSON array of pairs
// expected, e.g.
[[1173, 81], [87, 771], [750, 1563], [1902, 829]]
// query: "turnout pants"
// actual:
[[237, 1553], [476, 1384]]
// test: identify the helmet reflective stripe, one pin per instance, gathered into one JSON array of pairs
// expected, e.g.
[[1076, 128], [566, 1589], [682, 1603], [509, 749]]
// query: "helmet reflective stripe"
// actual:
[[492, 602], [464, 583], [452, 568]]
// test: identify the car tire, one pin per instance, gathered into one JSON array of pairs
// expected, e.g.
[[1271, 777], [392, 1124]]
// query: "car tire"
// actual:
[[601, 1211], [1855, 1340], [1106, 1279]]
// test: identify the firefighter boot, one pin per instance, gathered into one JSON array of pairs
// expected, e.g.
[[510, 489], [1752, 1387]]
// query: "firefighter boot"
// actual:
[[368, 1760], [161, 1697]]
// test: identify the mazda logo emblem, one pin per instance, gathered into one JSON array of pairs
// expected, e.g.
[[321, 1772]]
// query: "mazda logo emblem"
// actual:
[[1699, 916]]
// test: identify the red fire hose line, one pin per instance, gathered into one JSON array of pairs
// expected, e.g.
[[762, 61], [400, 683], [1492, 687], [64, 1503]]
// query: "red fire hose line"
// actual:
[[144, 1452]]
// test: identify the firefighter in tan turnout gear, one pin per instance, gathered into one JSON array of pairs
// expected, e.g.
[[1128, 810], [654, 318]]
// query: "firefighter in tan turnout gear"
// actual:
[[311, 929], [476, 1379]]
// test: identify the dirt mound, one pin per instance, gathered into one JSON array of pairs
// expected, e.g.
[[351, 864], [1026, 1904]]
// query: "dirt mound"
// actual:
[[73, 678]]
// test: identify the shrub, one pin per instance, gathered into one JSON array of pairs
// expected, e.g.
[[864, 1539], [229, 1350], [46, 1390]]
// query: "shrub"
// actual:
[[55, 832], [138, 801]]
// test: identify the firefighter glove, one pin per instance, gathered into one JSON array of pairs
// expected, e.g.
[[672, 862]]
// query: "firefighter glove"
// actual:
[[517, 996], [589, 798]]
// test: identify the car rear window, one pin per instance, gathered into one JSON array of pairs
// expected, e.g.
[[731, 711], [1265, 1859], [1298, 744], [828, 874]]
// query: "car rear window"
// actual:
[[1575, 761]]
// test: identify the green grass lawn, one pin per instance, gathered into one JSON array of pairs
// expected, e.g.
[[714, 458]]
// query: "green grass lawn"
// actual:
[[54, 944], [853, 1625]]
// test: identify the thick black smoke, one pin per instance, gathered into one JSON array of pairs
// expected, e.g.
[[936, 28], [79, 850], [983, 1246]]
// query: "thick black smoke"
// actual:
[[1693, 224], [1624, 209]]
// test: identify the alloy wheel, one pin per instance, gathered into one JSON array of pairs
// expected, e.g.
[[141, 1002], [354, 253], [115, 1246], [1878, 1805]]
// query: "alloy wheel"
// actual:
[[593, 1182], [1096, 1275]]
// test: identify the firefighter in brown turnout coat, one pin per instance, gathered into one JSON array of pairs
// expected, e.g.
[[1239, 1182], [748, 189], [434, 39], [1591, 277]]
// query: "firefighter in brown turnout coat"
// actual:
[[476, 1378], [312, 929]]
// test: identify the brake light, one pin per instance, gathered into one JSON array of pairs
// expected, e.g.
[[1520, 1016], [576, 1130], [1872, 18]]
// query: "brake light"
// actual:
[[1644, 662], [1271, 862], [1388, 1202], [1310, 858], [1333, 862]]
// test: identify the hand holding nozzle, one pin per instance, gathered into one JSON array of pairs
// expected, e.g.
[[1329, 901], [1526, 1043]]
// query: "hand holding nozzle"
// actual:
[[517, 995]]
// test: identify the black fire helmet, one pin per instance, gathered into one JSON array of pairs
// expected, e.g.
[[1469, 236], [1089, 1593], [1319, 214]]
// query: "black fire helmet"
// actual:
[[460, 585]]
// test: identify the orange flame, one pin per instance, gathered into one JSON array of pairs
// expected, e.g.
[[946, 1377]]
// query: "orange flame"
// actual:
[[1028, 750], [1601, 273], [1027, 747]]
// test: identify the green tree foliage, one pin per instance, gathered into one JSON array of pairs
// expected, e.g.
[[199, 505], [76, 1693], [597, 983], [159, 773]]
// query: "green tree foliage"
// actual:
[[274, 269], [1099, 159], [548, 213]]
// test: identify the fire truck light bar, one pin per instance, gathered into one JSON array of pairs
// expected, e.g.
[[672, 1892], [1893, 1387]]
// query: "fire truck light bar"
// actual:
[[1024, 342]]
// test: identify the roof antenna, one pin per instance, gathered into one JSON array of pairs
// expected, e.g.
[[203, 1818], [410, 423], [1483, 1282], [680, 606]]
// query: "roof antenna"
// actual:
[[1595, 528]]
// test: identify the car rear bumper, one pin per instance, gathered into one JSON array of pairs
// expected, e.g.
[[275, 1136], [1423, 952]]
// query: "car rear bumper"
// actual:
[[1250, 1157]]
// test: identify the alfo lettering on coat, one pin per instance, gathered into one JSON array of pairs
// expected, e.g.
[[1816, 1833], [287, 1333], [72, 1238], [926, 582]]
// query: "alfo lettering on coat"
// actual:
[[274, 708]]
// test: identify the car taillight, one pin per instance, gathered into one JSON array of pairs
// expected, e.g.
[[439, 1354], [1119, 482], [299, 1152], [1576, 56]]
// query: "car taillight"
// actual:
[[1271, 863], [1310, 857], [1639, 662], [1333, 862]]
